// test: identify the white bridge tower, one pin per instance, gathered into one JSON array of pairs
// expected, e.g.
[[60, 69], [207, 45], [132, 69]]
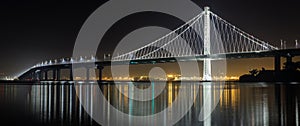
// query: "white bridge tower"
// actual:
[[207, 62]]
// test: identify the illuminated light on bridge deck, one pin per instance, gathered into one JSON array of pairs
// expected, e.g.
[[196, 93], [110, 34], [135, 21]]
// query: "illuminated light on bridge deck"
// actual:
[[63, 60]]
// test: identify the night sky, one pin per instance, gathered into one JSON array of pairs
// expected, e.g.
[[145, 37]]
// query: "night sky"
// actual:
[[34, 31]]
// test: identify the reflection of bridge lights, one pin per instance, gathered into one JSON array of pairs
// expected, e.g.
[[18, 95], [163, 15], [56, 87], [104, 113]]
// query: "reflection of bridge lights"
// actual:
[[80, 82], [63, 82], [230, 96], [170, 94]]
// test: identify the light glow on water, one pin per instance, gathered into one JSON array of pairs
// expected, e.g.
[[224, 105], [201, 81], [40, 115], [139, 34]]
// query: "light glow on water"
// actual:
[[240, 103]]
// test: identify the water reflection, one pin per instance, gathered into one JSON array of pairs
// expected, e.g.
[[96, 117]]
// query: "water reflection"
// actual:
[[239, 103]]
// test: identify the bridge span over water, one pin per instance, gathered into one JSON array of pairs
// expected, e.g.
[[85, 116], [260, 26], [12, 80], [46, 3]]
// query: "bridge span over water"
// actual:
[[206, 37]]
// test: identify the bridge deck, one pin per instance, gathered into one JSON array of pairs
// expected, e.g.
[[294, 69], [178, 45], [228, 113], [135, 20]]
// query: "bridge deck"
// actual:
[[68, 65]]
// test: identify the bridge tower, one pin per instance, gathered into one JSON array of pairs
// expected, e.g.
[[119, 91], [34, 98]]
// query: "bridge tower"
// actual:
[[207, 62]]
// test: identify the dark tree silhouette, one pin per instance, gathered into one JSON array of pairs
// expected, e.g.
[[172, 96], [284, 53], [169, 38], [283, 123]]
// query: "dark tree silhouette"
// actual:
[[291, 66], [253, 72]]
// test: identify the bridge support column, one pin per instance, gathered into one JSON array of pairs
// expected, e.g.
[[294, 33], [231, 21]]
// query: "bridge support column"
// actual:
[[54, 74], [58, 74], [277, 63], [87, 74], [38, 75], [277, 66], [32, 76], [46, 75], [71, 74], [289, 59], [100, 68], [207, 62]]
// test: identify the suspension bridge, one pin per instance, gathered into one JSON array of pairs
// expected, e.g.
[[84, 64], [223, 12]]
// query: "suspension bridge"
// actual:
[[205, 37]]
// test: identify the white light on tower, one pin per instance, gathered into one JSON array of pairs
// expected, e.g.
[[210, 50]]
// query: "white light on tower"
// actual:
[[207, 51], [281, 44]]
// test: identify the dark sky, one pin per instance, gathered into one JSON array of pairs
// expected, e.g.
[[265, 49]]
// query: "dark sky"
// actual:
[[34, 31]]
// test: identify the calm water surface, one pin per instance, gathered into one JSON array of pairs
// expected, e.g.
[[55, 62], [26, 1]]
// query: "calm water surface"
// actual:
[[237, 103]]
